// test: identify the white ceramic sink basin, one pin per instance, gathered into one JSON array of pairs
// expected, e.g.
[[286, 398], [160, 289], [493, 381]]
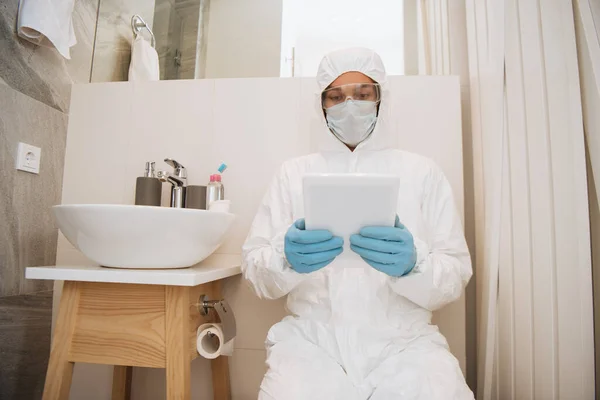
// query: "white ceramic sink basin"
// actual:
[[124, 236]]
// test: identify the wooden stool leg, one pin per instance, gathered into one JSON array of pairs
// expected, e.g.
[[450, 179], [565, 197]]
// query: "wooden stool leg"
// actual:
[[121, 386], [60, 369], [220, 378], [220, 365], [177, 327]]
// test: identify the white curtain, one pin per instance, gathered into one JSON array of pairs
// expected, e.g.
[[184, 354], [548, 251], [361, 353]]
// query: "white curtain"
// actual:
[[485, 26], [533, 256], [588, 37], [442, 50], [587, 26], [434, 49]]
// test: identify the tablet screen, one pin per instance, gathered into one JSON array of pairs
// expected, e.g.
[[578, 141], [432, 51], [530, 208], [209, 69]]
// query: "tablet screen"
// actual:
[[345, 203]]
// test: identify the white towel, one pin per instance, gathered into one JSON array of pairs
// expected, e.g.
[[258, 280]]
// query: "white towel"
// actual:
[[144, 61], [48, 23]]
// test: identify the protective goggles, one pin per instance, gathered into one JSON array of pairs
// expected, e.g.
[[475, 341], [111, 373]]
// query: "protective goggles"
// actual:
[[352, 91]]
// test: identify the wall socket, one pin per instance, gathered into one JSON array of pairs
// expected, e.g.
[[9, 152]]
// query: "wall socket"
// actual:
[[28, 158]]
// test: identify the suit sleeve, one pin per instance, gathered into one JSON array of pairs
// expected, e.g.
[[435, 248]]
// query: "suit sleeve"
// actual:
[[264, 264], [443, 266]]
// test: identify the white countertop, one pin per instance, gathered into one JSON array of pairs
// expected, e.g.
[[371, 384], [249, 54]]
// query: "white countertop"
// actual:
[[210, 270]]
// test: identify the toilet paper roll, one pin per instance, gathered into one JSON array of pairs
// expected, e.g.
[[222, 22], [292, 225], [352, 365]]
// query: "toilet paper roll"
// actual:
[[209, 342]]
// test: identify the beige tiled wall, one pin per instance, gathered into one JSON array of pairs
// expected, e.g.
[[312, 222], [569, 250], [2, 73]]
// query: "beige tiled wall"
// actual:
[[41, 72], [253, 125], [35, 86]]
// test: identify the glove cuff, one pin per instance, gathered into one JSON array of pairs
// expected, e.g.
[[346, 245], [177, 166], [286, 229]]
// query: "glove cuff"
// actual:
[[422, 251], [278, 246]]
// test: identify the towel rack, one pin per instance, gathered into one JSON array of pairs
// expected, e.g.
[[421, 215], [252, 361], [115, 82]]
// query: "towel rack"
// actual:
[[137, 24]]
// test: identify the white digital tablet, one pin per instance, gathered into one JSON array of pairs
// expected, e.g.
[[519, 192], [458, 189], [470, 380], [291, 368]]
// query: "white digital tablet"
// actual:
[[345, 203]]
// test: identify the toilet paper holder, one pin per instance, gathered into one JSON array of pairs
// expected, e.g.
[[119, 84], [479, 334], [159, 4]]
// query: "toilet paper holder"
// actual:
[[224, 312]]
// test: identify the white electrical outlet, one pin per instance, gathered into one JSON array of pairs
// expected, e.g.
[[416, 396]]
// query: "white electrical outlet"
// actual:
[[28, 158]]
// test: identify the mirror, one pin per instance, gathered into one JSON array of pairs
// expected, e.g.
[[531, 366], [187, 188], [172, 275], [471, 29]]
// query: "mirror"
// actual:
[[198, 39]]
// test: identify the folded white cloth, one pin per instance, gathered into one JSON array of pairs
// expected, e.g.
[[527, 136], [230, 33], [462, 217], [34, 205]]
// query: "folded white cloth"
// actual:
[[48, 23], [144, 61]]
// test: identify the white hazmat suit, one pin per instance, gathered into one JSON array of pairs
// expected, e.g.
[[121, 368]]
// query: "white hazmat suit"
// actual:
[[357, 333]]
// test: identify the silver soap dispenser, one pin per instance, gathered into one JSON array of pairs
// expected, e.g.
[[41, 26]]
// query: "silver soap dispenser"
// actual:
[[148, 188]]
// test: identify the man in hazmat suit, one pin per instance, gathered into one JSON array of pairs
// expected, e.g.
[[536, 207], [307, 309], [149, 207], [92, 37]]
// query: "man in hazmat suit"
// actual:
[[359, 333]]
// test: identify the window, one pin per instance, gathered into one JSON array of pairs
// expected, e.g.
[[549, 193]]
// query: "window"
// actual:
[[312, 28]]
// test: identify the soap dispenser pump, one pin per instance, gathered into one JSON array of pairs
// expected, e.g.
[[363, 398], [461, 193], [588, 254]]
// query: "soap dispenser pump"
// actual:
[[148, 188]]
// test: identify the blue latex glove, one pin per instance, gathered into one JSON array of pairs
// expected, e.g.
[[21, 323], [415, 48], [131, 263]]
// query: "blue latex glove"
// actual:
[[309, 251], [390, 250]]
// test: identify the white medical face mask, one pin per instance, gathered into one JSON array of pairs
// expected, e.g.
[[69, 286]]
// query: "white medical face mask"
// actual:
[[352, 121]]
